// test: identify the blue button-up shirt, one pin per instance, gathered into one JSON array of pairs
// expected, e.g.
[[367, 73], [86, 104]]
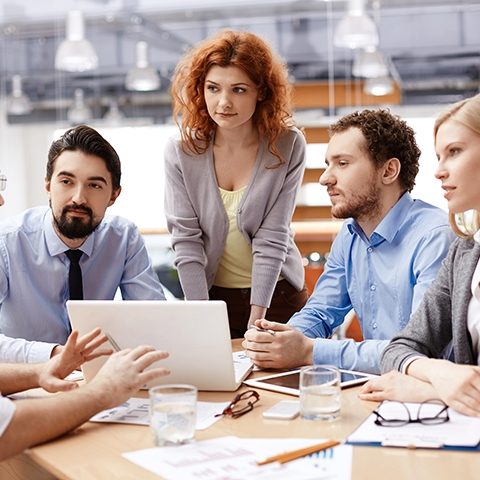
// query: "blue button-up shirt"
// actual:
[[34, 279], [383, 278]]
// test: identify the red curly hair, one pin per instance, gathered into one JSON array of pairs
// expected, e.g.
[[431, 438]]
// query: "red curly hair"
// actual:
[[265, 69]]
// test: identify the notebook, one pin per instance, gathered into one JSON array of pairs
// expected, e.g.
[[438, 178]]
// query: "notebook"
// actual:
[[195, 333]]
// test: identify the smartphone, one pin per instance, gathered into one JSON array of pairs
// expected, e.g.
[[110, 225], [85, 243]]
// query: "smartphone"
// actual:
[[283, 410]]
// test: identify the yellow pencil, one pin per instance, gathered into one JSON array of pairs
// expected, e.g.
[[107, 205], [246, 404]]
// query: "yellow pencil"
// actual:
[[301, 452]]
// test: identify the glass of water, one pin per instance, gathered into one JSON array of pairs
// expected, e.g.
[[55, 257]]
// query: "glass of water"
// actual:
[[173, 413], [320, 394]]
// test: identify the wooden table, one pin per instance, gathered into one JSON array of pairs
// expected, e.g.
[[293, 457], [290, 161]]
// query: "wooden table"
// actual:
[[94, 450]]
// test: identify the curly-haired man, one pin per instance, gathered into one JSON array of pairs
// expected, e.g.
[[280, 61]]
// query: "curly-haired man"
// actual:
[[381, 263]]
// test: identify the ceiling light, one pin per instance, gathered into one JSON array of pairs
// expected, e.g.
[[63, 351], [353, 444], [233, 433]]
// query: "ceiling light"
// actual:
[[17, 102], [378, 86], [75, 53], [113, 115], [356, 29], [369, 63], [79, 112], [142, 77]]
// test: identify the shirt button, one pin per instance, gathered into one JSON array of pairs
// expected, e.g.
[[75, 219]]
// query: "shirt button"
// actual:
[[373, 288], [369, 249], [374, 326]]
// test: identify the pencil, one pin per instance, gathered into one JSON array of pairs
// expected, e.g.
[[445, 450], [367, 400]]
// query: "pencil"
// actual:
[[301, 452]]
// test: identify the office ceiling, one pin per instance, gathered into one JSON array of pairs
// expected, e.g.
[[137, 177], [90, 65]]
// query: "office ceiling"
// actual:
[[432, 46]]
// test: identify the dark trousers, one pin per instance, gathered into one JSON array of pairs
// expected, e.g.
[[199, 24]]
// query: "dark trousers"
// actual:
[[285, 302]]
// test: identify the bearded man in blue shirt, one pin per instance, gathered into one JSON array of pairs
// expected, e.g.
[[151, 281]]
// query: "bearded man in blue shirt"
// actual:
[[381, 263], [82, 181]]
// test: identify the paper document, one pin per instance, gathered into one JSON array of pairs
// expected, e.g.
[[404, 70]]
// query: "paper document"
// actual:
[[135, 411], [459, 431], [235, 458], [241, 364]]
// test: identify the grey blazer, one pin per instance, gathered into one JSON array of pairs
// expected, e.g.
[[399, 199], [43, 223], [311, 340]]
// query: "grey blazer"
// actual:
[[442, 314]]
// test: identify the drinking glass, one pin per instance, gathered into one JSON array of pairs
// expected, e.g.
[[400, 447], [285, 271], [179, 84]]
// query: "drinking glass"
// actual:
[[173, 413], [320, 394]]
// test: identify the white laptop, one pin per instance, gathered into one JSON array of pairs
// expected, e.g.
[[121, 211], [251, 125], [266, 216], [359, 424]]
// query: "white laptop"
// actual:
[[195, 333]]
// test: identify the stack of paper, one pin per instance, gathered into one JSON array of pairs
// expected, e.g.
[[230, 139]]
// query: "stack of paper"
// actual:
[[235, 458]]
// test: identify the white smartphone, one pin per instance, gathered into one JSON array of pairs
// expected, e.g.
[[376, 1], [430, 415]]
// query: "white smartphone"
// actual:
[[283, 410]]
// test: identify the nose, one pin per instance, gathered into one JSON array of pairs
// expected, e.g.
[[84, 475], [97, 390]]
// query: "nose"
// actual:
[[441, 172], [326, 178], [224, 100], [79, 197]]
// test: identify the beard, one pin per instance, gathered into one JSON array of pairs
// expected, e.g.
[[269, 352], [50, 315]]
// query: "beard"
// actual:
[[75, 228], [359, 205]]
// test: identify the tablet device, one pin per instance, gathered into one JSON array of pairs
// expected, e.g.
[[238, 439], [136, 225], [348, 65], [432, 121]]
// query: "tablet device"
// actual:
[[288, 382]]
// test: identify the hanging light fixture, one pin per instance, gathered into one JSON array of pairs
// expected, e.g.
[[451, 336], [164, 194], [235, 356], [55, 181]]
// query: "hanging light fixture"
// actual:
[[17, 102], [113, 115], [356, 29], [369, 63], [142, 77], [75, 53], [378, 86], [79, 112]]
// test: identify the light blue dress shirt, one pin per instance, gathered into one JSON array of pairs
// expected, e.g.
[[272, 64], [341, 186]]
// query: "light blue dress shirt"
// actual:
[[34, 279], [383, 278]]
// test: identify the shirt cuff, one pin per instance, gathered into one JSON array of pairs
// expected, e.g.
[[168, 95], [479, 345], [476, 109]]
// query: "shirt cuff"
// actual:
[[408, 362], [326, 351], [40, 352], [7, 409]]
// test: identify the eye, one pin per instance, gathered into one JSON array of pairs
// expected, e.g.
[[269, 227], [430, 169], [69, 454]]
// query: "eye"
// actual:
[[65, 181], [239, 90], [454, 151], [212, 88], [96, 186], [343, 163]]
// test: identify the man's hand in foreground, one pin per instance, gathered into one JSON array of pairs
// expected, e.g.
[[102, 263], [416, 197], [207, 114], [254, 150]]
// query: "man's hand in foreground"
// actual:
[[279, 347]]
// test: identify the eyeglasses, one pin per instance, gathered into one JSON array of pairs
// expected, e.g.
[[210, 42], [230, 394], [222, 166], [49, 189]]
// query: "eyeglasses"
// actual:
[[241, 404], [397, 414]]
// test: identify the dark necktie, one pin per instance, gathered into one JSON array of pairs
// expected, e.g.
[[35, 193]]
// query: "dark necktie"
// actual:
[[75, 283]]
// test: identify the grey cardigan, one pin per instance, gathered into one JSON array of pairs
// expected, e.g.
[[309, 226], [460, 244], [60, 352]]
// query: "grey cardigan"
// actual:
[[197, 220], [442, 314]]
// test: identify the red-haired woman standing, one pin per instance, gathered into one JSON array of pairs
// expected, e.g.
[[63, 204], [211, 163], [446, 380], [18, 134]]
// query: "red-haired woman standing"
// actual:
[[231, 180]]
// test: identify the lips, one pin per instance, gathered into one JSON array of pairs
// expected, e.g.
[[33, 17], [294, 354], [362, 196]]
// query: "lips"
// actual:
[[448, 191], [77, 211]]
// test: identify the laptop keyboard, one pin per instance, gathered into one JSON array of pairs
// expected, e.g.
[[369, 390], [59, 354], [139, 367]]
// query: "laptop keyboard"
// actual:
[[241, 364]]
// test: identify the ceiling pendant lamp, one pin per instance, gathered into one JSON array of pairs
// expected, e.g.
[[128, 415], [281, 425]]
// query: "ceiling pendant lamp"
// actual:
[[75, 53], [79, 112], [143, 77], [369, 63], [17, 102], [113, 116], [356, 29], [378, 86]]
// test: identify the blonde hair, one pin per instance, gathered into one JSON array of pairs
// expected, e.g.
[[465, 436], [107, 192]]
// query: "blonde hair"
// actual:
[[466, 112]]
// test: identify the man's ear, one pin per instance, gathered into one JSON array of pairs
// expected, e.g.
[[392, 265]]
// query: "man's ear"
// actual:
[[391, 171], [47, 186], [114, 196]]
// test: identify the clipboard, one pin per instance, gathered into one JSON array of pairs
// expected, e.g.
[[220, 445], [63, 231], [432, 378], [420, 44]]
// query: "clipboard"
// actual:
[[461, 432]]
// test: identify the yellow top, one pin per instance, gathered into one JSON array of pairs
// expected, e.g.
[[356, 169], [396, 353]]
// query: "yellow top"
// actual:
[[235, 268]]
